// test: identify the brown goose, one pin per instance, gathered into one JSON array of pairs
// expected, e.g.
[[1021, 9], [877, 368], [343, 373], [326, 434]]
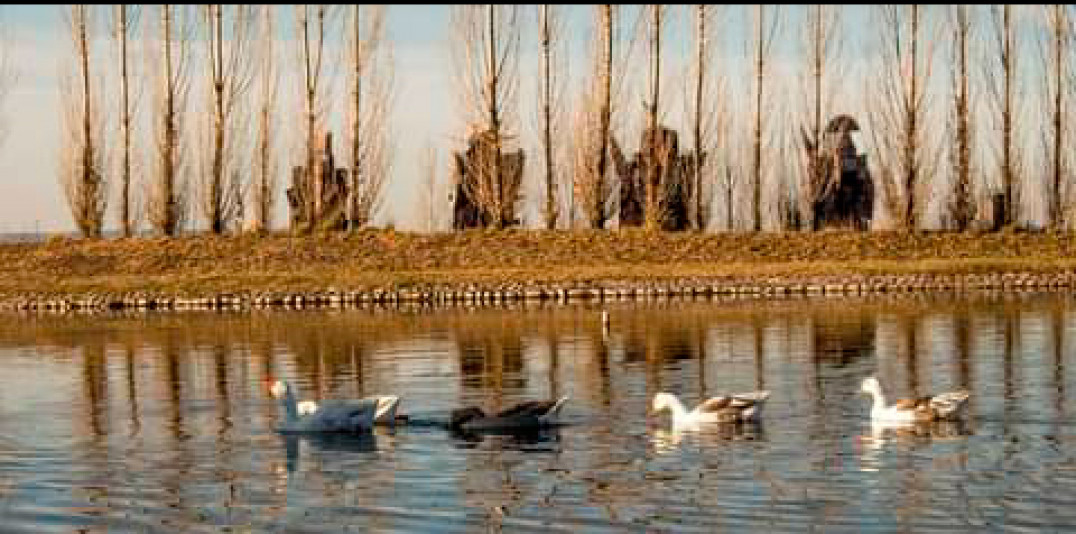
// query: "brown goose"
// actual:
[[525, 415]]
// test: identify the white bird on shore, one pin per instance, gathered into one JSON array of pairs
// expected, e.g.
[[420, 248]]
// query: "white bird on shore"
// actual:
[[331, 416], [944, 407], [735, 408]]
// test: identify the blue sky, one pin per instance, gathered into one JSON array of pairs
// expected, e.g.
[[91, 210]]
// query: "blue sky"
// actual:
[[424, 111]]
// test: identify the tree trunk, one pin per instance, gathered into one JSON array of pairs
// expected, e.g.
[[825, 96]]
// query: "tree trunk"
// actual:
[[911, 170], [654, 181], [91, 224], [216, 193], [698, 220], [962, 194], [126, 223], [166, 219], [756, 161], [356, 125], [550, 211], [1008, 174], [1060, 24], [597, 211], [498, 213], [263, 189]]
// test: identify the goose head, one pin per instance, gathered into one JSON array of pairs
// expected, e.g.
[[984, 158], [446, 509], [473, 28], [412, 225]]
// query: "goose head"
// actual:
[[663, 401], [279, 389], [871, 386]]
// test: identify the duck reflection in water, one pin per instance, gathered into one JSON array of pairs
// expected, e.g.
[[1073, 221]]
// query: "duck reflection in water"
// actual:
[[329, 444], [872, 444], [530, 439], [669, 440]]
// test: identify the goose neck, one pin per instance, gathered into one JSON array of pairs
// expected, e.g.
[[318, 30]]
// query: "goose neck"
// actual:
[[291, 406]]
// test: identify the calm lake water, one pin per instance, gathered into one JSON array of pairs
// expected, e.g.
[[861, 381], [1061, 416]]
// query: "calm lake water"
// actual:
[[162, 423]]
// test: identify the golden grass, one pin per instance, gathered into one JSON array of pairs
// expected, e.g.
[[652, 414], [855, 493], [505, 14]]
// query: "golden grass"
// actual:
[[390, 259]]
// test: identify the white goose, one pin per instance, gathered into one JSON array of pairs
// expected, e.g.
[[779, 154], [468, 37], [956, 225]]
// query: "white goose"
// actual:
[[735, 408], [331, 416], [944, 407]]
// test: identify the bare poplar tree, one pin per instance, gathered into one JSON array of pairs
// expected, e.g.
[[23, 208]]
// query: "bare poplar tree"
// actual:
[[124, 29], [312, 33], [369, 81], [228, 38], [654, 188], [704, 115], [265, 160], [169, 198], [823, 43], [963, 209], [765, 30], [551, 80], [898, 111], [594, 117], [81, 157], [486, 46], [1002, 82], [1057, 58]]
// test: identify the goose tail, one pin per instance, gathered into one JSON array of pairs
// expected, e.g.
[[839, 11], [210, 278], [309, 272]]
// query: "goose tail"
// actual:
[[949, 405], [554, 412]]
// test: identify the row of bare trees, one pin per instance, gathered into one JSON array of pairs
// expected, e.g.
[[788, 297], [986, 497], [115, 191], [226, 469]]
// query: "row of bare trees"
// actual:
[[964, 142], [981, 131], [216, 155], [989, 168]]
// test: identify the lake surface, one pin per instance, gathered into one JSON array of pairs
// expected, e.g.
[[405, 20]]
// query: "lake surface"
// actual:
[[162, 422]]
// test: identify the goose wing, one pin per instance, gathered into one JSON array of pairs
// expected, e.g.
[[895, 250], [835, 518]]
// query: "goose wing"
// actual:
[[730, 409], [342, 416], [534, 408], [714, 405], [750, 399], [911, 405], [948, 405]]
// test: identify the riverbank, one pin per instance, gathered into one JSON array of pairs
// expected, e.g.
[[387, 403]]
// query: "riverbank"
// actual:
[[387, 268]]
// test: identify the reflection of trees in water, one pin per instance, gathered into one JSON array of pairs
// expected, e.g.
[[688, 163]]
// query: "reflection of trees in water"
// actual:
[[917, 353], [840, 338], [759, 353], [95, 388], [490, 363], [132, 387], [1057, 342], [1010, 340]]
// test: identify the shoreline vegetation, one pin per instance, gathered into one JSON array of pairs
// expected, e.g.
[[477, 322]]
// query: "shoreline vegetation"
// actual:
[[388, 267]]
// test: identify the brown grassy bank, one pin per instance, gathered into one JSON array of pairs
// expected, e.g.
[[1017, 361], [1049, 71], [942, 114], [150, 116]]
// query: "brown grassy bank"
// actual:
[[393, 260]]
